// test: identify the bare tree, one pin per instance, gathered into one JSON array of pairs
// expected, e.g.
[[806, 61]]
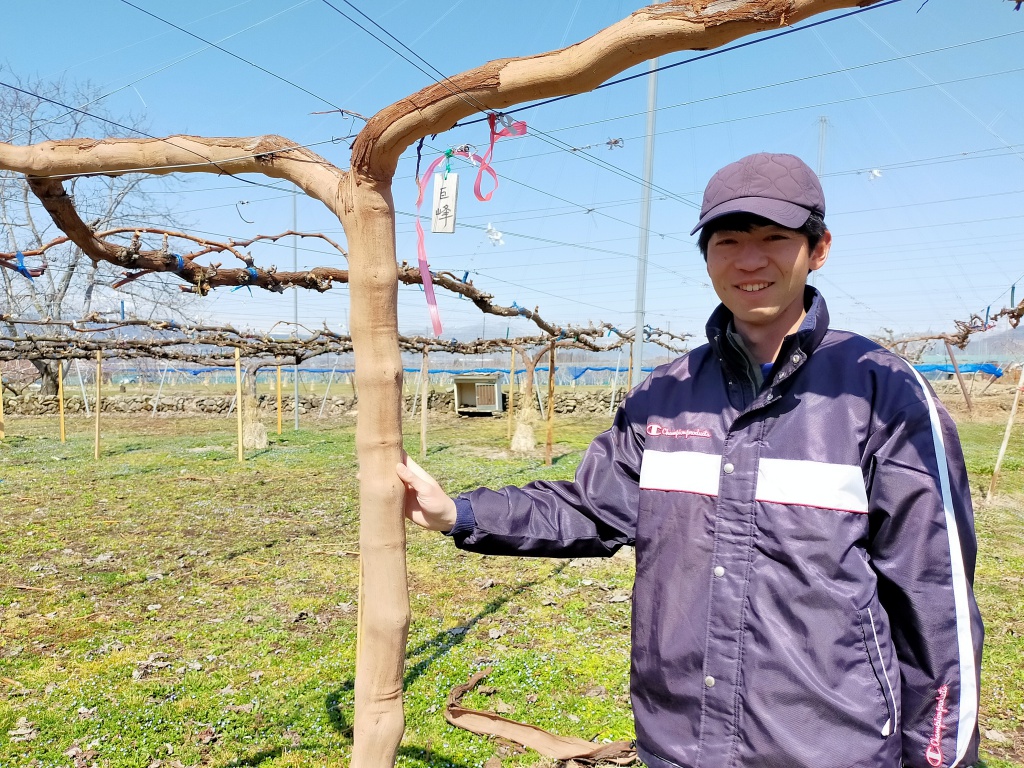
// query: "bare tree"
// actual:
[[68, 284], [361, 198]]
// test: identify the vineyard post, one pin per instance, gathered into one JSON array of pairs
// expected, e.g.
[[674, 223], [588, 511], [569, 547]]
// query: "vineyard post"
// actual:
[[425, 383], [511, 392], [615, 382], [629, 371], [959, 377], [3, 425], [99, 403], [1006, 436], [279, 399], [156, 400], [551, 406], [60, 398], [81, 384], [238, 402], [330, 380], [415, 395]]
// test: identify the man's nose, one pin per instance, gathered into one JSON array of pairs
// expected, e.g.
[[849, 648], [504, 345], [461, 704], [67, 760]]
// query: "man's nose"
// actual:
[[750, 257]]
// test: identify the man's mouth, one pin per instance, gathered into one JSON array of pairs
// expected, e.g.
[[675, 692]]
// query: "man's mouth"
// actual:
[[752, 287]]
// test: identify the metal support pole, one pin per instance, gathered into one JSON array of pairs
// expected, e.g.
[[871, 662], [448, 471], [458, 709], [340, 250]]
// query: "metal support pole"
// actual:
[[99, 396], [511, 392], [60, 398], [551, 407], [645, 223], [238, 400], [425, 383], [279, 399], [295, 266]]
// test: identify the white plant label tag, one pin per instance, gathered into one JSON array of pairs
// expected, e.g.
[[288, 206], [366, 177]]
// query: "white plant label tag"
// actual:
[[446, 194]]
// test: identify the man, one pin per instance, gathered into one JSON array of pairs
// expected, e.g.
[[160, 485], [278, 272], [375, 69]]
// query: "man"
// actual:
[[801, 515]]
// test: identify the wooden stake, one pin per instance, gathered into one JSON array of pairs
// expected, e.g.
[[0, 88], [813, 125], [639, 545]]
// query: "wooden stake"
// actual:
[[279, 399], [238, 401], [959, 378], [551, 407], [1006, 436], [60, 398], [3, 426], [511, 393], [425, 379], [615, 383], [629, 372], [99, 403]]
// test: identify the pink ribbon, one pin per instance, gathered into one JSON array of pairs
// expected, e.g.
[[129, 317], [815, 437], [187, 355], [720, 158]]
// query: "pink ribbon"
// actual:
[[512, 128]]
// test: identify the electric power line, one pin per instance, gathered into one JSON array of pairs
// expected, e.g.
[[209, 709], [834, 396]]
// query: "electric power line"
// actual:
[[709, 54], [233, 55]]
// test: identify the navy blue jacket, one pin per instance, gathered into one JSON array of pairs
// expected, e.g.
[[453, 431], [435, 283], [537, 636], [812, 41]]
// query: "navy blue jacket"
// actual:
[[804, 556]]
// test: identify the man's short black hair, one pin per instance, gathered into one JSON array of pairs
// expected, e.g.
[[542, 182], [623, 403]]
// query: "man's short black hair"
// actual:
[[813, 229]]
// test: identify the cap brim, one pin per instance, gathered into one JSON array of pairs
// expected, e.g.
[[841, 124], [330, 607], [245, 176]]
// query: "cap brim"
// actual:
[[783, 213]]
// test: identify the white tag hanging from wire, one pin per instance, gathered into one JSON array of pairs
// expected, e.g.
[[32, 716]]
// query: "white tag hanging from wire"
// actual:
[[446, 194]]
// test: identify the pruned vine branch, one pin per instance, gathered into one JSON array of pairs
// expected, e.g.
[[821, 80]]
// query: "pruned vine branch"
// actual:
[[215, 344]]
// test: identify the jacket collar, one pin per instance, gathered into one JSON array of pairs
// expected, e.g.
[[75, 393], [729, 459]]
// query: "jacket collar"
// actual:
[[806, 339]]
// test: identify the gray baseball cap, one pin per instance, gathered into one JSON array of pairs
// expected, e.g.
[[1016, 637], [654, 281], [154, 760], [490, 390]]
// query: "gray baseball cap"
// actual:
[[781, 188]]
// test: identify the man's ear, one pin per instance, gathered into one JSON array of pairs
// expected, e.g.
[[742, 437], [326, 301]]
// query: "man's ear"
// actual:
[[820, 253]]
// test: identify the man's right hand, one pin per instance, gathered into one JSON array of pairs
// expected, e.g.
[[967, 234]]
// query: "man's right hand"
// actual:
[[426, 504]]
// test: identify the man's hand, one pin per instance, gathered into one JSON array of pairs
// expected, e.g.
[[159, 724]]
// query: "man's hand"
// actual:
[[426, 504]]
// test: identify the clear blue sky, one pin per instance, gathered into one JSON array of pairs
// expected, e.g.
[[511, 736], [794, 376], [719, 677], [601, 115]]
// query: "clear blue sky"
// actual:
[[923, 161]]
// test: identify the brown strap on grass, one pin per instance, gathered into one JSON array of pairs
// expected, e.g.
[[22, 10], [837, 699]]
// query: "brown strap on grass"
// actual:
[[537, 739]]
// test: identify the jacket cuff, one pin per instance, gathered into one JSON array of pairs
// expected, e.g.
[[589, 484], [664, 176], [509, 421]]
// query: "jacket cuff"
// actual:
[[465, 520]]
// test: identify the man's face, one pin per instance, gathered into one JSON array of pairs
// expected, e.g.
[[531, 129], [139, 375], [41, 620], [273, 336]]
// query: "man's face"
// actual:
[[760, 275]]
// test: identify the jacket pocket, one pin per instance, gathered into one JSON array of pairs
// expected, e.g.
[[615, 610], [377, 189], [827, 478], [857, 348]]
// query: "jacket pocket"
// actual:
[[885, 681]]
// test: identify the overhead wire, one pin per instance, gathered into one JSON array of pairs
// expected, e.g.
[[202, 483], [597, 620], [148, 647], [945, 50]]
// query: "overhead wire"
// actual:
[[207, 161], [231, 53], [638, 75], [700, 57], [443, 80], [167, 66], [804, 107], [943, 91], [794, 81]]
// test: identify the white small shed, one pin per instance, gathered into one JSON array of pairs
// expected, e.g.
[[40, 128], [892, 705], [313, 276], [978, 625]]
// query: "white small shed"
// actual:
[[478, 393]]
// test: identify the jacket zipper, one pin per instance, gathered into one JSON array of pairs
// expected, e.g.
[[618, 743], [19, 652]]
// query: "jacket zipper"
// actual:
[[893, 721]]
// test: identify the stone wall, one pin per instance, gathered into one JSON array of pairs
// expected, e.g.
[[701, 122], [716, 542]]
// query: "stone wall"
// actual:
[[566, 402]]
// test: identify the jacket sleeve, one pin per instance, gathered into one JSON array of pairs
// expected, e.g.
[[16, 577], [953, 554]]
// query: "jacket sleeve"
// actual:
[[923, 550], [590, 516]]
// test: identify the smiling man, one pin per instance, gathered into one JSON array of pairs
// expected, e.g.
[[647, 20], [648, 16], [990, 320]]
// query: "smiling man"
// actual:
[[801, 515]]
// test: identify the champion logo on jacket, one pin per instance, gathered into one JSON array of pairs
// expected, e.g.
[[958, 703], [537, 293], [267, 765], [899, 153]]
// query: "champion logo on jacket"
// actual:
[[934, 752], [656, 430]]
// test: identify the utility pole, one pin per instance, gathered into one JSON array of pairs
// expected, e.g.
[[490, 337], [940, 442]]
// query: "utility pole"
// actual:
[[822, 132], [645, 225], [295, 289]]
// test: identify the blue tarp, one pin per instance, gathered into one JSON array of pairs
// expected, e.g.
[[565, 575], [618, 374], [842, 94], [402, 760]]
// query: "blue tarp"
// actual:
[[575, 371], [986, 368]]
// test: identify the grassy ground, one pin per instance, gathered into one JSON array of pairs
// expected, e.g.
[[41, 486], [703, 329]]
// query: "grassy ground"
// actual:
[[169, 607]]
